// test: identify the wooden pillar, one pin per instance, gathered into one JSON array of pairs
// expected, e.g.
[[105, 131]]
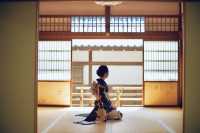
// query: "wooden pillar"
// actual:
[[180, 57], [90, 66], [107, 18], [180, 19]]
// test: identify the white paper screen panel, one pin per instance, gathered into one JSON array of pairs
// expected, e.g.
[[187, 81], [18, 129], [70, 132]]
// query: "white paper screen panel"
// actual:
[[127, 24], [87, 24], [117, 56], [161, 60], [54, 60]]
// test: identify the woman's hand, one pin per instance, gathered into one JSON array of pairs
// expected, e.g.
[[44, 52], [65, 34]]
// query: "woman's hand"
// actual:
[[114, 107]]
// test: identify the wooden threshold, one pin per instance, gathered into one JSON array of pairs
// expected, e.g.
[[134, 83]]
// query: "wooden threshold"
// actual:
[[52, 105]]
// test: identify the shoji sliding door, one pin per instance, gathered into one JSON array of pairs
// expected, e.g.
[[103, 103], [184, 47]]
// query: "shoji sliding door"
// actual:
[[54, 72], [161, 73]]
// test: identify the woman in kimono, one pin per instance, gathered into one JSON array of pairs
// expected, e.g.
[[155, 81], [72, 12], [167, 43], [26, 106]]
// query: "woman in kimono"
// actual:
[[103, 101]]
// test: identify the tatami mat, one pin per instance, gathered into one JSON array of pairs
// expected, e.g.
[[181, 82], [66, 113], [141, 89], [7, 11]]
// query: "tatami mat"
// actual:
[[135, 120]]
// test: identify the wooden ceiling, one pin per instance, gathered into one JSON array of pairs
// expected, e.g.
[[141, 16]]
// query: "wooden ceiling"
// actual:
[[90, 8]]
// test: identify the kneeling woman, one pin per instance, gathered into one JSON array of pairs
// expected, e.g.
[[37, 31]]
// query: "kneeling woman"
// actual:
[[103, 102]]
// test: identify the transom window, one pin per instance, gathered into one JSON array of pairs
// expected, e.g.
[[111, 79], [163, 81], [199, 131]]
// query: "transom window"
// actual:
[[88, 24], [124, 24], [127, 24]]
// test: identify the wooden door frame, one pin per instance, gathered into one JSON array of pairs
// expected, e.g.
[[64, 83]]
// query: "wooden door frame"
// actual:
[[97, 37]]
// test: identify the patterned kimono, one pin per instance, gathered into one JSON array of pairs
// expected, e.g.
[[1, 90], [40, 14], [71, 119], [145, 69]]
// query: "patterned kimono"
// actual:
[[104, 101]]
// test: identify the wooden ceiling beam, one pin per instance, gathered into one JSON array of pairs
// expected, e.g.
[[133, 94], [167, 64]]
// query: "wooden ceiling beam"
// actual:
[[145, 36]]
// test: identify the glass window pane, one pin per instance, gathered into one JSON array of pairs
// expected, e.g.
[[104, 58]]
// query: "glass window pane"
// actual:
[[122, 75], [85, 74], [80, 56], [117, 56], [107, 42]]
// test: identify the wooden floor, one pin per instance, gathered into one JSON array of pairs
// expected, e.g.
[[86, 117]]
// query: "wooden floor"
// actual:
[[135, 120]]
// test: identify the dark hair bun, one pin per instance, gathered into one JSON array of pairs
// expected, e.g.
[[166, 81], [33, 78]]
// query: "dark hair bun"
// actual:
[[102, 70]]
